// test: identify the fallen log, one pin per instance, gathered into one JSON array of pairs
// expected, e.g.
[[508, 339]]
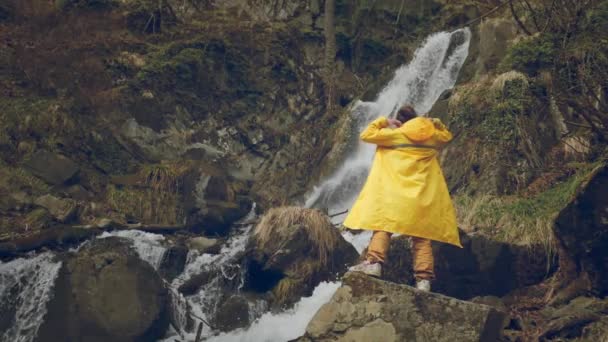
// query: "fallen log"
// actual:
[[51, 238], [67, 236]]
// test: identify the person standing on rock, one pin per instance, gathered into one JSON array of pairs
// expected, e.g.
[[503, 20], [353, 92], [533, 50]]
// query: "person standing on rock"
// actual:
[[405, 193]]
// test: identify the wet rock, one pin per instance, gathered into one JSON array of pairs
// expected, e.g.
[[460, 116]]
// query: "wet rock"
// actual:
[[192, 285], [292, 250], [173, 262], [106, 293], [212, 204], [582, 229], [232, 314], [365, 309], [62, 209], [204, 245], [51, 167]]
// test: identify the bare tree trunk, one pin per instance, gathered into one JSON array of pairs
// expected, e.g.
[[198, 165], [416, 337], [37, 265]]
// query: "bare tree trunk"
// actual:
[[330, 53]]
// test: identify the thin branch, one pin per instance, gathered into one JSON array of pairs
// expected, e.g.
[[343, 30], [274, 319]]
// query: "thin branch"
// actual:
[[484, 15], [399, 14], [516, 17], [534, 14], [577, 124]]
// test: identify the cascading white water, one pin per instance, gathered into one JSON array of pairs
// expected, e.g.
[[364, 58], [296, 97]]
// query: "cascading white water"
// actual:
[[206, 299], [25, 288], [284, 326], [433, 70], [149, 246]]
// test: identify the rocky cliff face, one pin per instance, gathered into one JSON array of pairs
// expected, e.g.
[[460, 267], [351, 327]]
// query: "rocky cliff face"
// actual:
[[144, 100]]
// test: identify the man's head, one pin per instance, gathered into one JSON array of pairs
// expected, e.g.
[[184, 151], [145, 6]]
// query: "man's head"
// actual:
[[406, 113]]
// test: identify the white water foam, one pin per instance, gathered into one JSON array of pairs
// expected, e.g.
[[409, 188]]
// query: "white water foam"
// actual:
[[149, 246], [286, 325], [26, 285], [207, 297]]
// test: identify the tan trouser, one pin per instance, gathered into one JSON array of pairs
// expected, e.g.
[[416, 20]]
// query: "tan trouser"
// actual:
[[421, 248]]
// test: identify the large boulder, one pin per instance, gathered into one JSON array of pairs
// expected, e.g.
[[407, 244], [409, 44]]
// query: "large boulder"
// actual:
[[51, 167], [368, 309], [106, 293], [582, 230], [292, 250], [484, 267]]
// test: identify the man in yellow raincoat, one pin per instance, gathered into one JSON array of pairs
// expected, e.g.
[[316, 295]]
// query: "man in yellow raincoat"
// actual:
[[405, 193]]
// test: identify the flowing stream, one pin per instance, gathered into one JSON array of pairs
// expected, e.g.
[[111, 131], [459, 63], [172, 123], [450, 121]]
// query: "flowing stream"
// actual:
[[26, 286]]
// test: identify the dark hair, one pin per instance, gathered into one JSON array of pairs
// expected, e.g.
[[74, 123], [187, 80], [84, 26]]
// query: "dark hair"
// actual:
[[406, 113]]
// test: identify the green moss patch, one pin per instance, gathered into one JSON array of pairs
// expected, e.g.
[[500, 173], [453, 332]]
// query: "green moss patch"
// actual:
[[520, 220]]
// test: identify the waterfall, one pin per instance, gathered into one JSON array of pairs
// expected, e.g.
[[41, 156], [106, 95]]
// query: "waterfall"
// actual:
[[433, 70], [25, 288]]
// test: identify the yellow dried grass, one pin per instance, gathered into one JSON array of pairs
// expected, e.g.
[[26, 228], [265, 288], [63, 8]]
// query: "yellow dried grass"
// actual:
[[277, 222]]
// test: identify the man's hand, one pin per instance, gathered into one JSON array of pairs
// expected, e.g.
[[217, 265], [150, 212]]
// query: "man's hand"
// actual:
[[394, 122]]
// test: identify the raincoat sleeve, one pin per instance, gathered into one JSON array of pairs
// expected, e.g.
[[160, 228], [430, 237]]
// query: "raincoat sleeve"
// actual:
[[441, 132], [377, 133]]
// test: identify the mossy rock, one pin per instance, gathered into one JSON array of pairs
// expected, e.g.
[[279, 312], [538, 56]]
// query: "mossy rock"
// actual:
[[87, 306]]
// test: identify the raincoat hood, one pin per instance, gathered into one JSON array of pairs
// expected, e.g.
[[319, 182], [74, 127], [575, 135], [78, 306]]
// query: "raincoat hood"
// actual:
[[418, 129]]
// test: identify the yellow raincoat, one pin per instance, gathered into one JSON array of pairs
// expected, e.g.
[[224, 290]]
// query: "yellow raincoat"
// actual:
[[405, 191]]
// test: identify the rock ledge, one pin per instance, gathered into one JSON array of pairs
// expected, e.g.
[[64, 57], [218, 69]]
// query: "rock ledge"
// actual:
[[368, 309]]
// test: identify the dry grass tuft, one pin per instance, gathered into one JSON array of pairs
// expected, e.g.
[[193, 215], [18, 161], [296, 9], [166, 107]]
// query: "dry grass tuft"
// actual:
[[277, 222], [155, 198], [499, 82], [162, 177]]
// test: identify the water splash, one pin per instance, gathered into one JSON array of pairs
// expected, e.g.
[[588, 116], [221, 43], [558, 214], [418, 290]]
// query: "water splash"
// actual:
[[433, 70], [284, 326], [207, 298], [25, 288], [149, 246]]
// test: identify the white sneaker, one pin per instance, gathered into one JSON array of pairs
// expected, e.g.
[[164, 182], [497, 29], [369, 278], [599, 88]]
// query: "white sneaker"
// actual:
[[373, 269], [423, 285]]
